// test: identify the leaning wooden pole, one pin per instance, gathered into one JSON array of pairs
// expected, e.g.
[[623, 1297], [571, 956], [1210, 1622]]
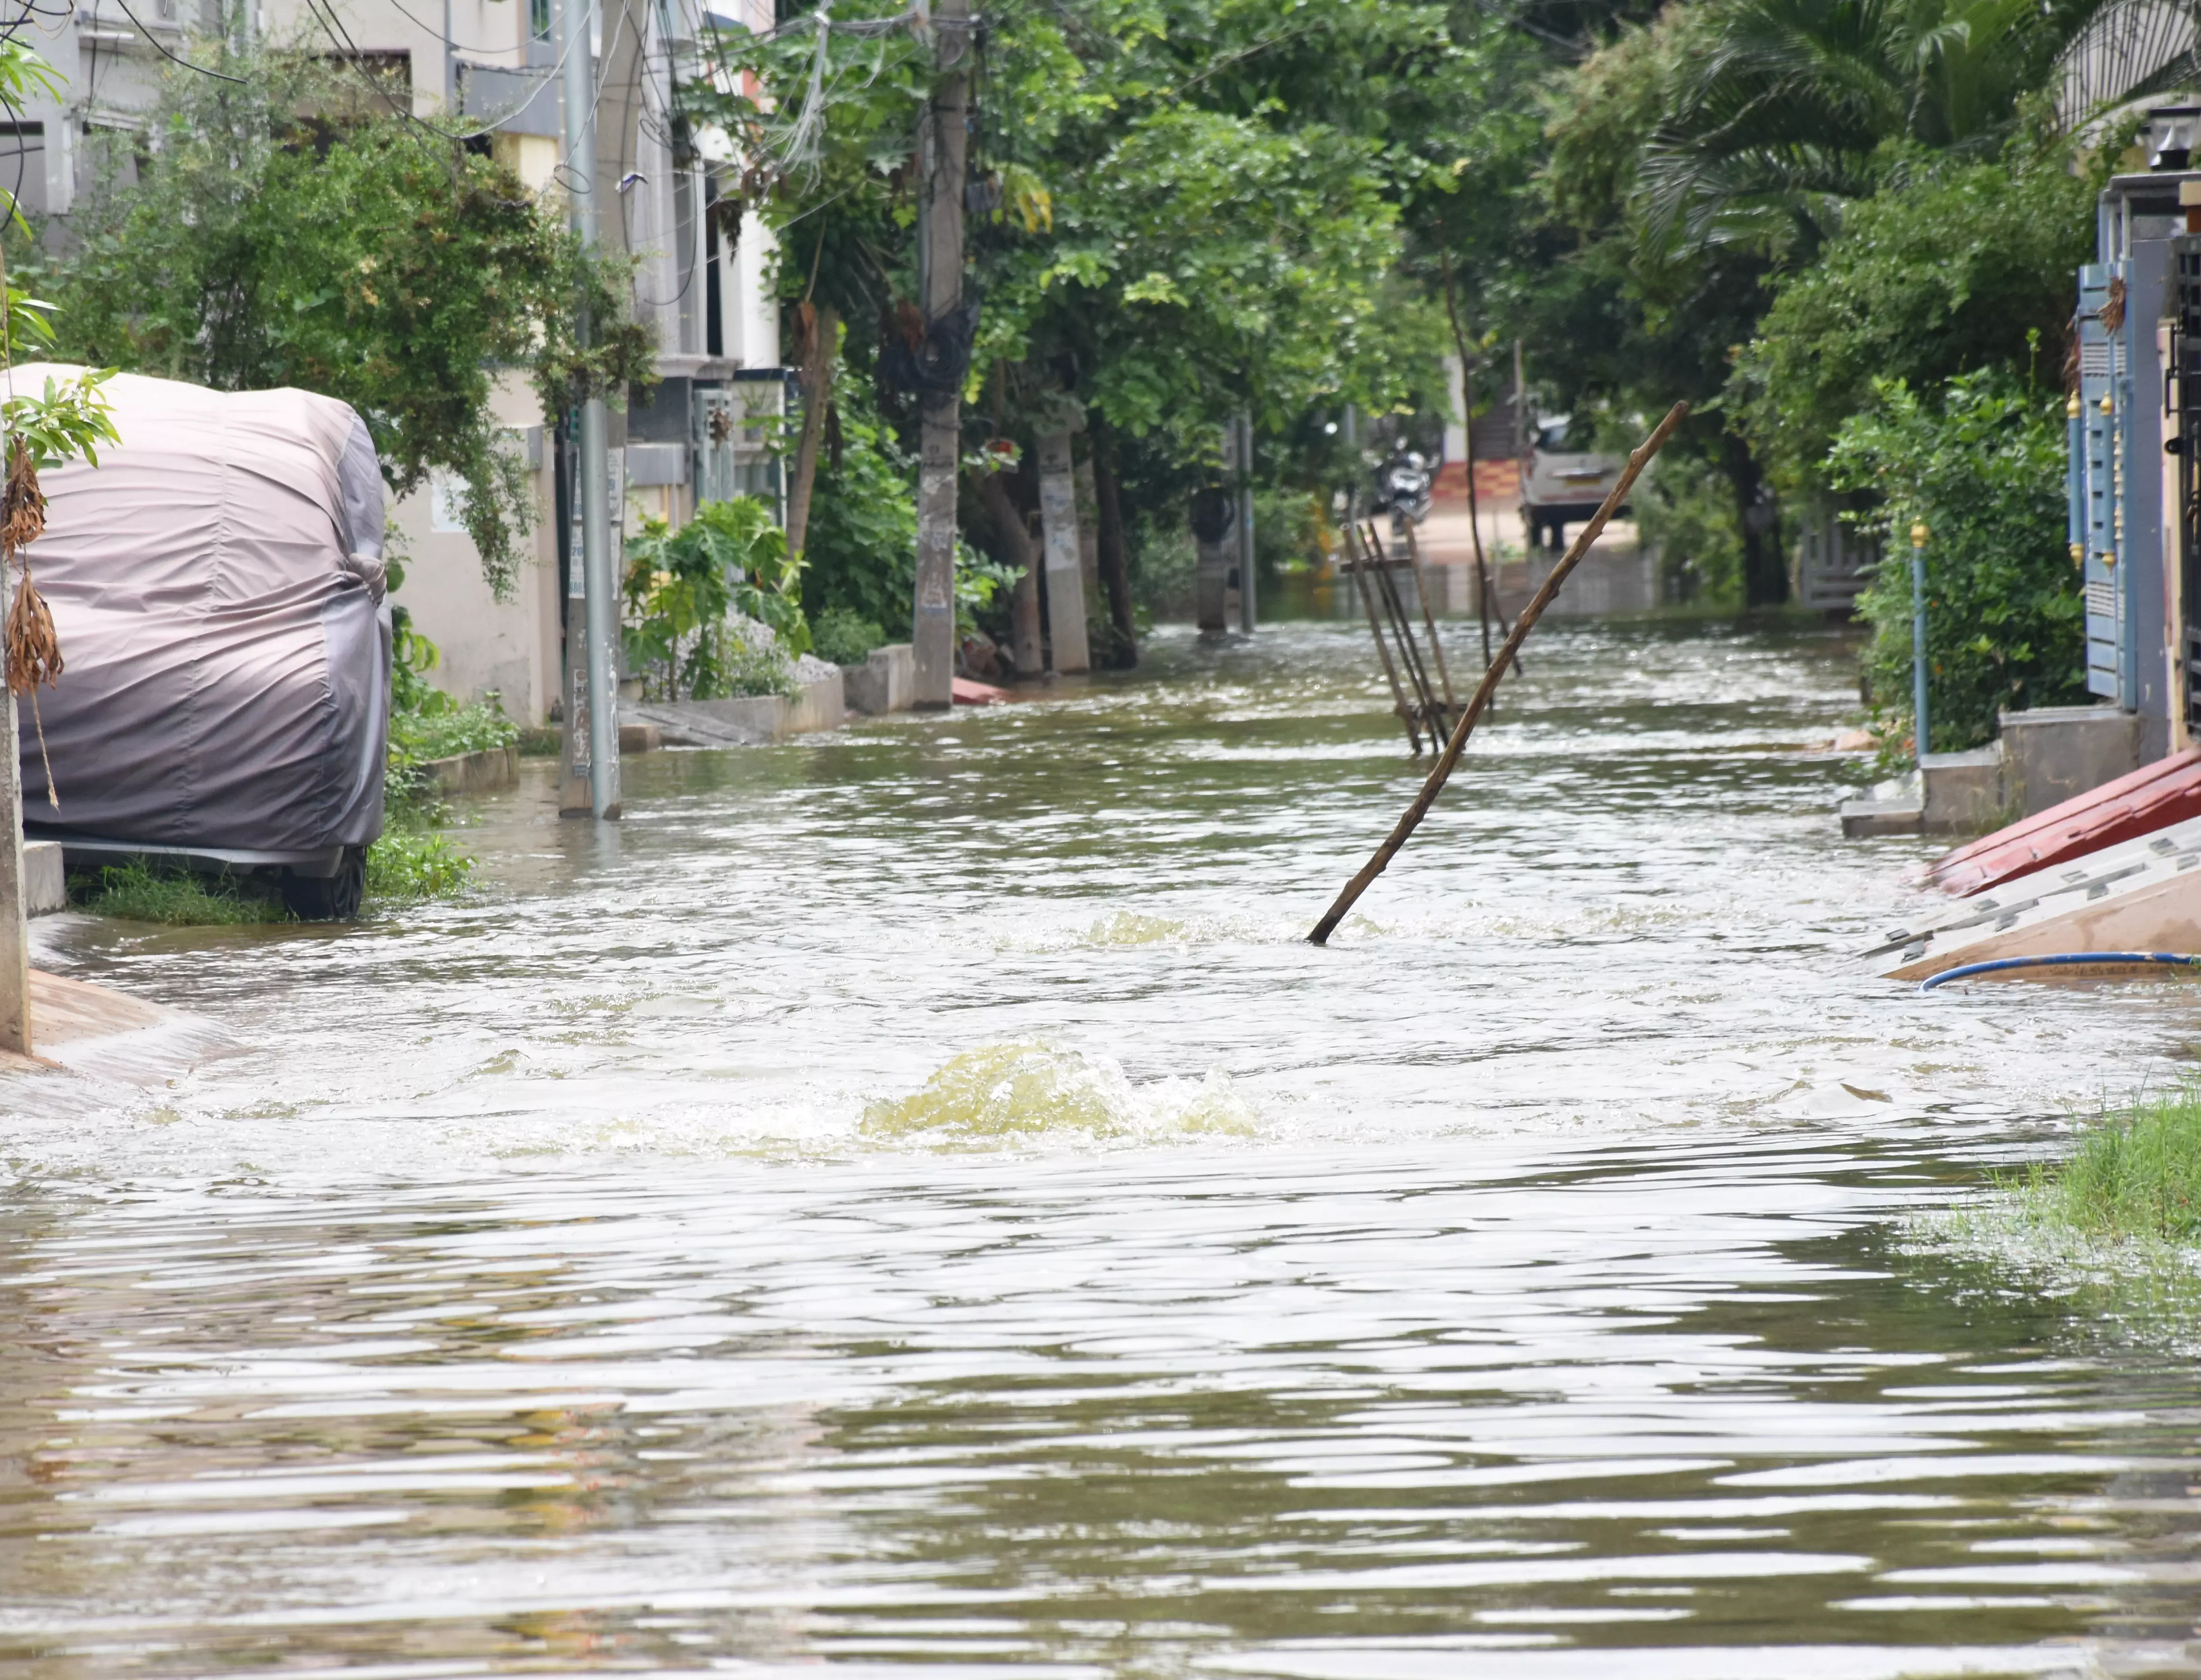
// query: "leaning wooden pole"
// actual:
[[1441, 771], [1358, 567], [1402, 633], [1428, 618]]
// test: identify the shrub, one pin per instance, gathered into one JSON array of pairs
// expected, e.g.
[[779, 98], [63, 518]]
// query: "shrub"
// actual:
[[687, 592], [859, 553], [842, 637], [1950, 267], [1685, 509], [412, 863], [1984, 470]]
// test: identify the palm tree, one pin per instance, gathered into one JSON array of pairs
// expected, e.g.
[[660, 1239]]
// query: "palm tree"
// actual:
[[1786, 109]]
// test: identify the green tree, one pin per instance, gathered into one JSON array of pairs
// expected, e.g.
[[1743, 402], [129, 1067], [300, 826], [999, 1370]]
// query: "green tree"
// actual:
[[1618, 324], [350, 251], [1982, 468], [1185, 206], [1952, 267], [1790, 102]]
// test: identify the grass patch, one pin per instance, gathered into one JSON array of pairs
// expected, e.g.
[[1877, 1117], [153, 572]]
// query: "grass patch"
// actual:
[[411, 862], [2107, 1240], [133, 892], [2135, 1176]]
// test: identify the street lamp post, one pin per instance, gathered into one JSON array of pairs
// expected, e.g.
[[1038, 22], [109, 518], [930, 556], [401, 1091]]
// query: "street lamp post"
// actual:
[[1919, 536]]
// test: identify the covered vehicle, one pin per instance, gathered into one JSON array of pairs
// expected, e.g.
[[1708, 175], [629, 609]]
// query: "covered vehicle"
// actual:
[[217, 587], [1566, 482]]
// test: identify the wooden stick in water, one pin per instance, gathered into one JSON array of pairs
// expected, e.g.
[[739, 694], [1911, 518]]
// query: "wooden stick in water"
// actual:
[[1402, 632], [1422, 589], [1383, 651], [1441, 771]]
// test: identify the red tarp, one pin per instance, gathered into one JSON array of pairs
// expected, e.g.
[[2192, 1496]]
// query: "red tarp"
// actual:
[[967, 692], [2154, 797]]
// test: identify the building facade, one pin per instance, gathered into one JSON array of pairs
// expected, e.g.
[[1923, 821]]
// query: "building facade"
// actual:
[[490, 70]]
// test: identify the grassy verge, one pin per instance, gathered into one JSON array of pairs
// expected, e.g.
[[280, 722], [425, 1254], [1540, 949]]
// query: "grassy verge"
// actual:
[[2135, 1176], [134, 892], [413, 861], [2106, 1242]]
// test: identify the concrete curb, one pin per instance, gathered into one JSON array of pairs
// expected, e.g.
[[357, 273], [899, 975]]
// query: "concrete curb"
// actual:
[[748, 723], [487, 772]]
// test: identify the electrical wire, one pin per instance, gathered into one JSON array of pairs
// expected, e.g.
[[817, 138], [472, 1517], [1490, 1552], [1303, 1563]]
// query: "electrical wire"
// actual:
[[354, 59], [399, 7], [157, 46]]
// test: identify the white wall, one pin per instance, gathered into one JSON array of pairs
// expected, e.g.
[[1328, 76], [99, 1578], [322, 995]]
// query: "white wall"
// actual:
[[510, 647]]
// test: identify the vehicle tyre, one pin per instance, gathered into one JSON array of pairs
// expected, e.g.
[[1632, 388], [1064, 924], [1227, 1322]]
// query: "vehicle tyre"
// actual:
[[335, 899]]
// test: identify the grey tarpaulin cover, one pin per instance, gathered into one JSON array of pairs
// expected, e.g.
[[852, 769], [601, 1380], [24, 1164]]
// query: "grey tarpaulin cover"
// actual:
[[216, 584]]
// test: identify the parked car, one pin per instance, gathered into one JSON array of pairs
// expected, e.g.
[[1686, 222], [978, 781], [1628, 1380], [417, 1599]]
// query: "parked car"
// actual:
[[217, 587], [1565, 483]]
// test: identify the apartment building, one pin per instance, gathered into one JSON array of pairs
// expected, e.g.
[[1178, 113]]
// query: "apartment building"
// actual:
[[490, 68]]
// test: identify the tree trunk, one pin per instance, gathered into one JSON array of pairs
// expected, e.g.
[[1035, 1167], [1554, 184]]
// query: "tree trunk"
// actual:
[[1115, 562], [823, 342], [1020, 552], [1765, 567]]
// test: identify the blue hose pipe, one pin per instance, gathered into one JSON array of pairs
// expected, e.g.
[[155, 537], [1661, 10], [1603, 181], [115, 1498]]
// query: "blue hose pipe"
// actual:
[[2160, 959]]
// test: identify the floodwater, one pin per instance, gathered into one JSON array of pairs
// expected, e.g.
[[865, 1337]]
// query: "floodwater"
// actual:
[[910, 1198]]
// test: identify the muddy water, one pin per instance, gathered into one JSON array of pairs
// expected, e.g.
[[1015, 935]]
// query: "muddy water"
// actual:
[[909, 1198]]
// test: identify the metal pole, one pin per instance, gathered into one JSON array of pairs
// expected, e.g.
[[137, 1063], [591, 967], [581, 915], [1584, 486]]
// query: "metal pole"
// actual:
[[602, 615], [942, 138], [1918, 534], [1245, 453]]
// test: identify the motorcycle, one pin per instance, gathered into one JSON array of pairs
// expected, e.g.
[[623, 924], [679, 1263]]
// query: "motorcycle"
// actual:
[[1404, 484]]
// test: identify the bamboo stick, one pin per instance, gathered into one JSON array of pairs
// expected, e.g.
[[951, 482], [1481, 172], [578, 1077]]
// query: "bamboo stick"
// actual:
[[1402, 632], [1382, 652], [1422, 589], [1441, 770]]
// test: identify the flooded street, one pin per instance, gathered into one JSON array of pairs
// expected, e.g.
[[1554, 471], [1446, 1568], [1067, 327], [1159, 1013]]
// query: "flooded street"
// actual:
[[911, 1197]]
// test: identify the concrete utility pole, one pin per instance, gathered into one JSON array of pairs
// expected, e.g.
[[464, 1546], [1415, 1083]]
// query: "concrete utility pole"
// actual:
[[942, 143], [1214, 522], [1065, 566], [591, 715], [14, 927]]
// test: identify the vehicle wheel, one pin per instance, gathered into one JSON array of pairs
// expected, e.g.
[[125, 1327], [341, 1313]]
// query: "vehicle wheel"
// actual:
[[336, 899]]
